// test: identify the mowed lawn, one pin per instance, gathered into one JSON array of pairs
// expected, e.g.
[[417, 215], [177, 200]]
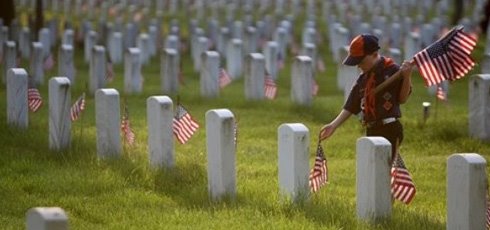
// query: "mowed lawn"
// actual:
[[126, 193]]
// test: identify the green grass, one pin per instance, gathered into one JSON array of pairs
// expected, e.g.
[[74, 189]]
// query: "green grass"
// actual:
[[127, 194]]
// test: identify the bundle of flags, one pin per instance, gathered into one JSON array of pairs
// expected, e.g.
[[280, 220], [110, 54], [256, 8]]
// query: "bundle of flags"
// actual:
[[77, 108], [270, 88], [184, 125], [126, 127], [446, 59], [402, 186], [34, 99], [319, 173], [224, 78]]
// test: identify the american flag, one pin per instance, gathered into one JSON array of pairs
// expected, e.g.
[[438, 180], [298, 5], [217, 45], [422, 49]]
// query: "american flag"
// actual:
[[446, 59], [184, 126], [109, 72], [270, 88], [319, 172], [224, 78], [48, 62], [126, 127], [440, 93], [77, 108], [402, 186], [34, 99], [314, 87]]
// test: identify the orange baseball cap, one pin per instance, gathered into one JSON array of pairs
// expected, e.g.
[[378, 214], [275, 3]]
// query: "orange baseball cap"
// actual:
[[361, 46]]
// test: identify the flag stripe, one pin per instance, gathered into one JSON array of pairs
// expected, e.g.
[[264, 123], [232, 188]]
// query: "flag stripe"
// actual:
[[319, 173], [224, 78], [270, 88], [402, 186], [77, 108], [34, 99], [183, 125], [126, 128]]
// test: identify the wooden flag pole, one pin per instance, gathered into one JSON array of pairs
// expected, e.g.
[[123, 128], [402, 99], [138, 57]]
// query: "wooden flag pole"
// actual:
[[391, 79]]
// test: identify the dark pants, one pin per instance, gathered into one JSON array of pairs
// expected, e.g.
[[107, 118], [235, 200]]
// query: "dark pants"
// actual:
[[393, 132]]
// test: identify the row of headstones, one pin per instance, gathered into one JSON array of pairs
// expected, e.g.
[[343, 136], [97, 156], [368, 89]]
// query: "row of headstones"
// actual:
[[202, 7], [423, 10], [405, 33], [466, 186], [107, 103], [255, 65], [255, 68]]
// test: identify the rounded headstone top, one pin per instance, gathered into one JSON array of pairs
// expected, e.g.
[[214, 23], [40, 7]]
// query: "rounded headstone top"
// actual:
[[221, 113], [294, 127], [48, 213], [471, 158]]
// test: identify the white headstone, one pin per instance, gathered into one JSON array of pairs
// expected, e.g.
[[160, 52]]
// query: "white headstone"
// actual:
[[160, 117], [36, 65], [210, 74], [172, 42], [373, 189], [97, 69], [169, 71], [234, 58], [223, 39], [116, 47], [485, 64], [17, 110], [301, 81], [271, 53], [221, 152], [479, 107], [466, 190], [46, 218], [4, 36], [90, 41], [254, 76], [66, 67], [412, 45], [293, 155], [108, 123], [237, 32], [201, 47], [152, 34], [9, 58], [68, 37], [45, 38], [144, 46], [25, 42], [133, 81], [309, 35], [250, 40], [59, 113], [281, 37]]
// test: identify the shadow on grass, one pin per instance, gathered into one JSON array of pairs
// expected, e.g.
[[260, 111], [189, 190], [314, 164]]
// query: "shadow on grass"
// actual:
[[186, 184]]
